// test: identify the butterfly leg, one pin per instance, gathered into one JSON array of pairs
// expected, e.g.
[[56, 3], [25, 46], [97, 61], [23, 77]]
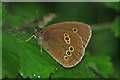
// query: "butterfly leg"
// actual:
[[41, 48], [26, 39]]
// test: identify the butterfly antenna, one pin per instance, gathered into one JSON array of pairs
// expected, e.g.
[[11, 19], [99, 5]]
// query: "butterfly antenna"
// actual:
[[37, 17]]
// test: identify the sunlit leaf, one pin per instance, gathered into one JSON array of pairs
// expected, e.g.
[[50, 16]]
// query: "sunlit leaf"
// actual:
[[26, 59]]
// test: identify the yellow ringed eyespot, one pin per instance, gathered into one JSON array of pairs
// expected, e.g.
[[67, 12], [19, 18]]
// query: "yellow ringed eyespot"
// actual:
[[66, 58], [75, 30]]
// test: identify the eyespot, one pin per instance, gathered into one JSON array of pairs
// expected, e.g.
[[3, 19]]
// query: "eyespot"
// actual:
[[68, 42], [71, 48], [66, 34], [75, 30], [68, 53], [66, 58], [67, 39]]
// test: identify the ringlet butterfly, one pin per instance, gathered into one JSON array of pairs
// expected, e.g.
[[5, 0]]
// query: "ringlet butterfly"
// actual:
[[65, 42]]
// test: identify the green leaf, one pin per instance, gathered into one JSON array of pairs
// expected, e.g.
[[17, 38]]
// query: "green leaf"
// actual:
[[0, 40], [115, 27], [15, 21], [0, 54], [10, 58], [25, 58], [102, 63]]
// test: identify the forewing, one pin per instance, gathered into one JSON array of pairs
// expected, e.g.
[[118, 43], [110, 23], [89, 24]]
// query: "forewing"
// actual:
[[84, 30]]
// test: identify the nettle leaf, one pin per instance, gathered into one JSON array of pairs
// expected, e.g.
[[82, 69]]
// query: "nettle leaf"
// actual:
[[25, 58], [10, 58], [115, 27], [0, 54], [16, 21], [102, 64]]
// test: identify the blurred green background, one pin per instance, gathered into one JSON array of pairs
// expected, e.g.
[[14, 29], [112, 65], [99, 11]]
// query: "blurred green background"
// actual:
[[23, 60]]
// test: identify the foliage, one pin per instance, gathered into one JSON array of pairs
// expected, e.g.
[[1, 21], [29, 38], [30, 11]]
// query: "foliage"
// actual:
[[26, 59], [100, 60]]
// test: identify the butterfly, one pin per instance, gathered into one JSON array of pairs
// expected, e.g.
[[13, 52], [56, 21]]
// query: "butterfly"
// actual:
[[65, 42]]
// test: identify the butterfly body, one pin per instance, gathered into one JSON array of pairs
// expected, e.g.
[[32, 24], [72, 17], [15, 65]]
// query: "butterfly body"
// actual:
[[65, 41]]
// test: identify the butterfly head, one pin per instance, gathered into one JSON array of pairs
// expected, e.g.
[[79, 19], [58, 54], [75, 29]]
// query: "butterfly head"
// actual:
[[37, 29], [38, 33]]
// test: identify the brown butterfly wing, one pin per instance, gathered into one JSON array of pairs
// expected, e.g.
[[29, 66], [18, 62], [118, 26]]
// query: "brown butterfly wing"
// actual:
[[55, 44], [84, 30]]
